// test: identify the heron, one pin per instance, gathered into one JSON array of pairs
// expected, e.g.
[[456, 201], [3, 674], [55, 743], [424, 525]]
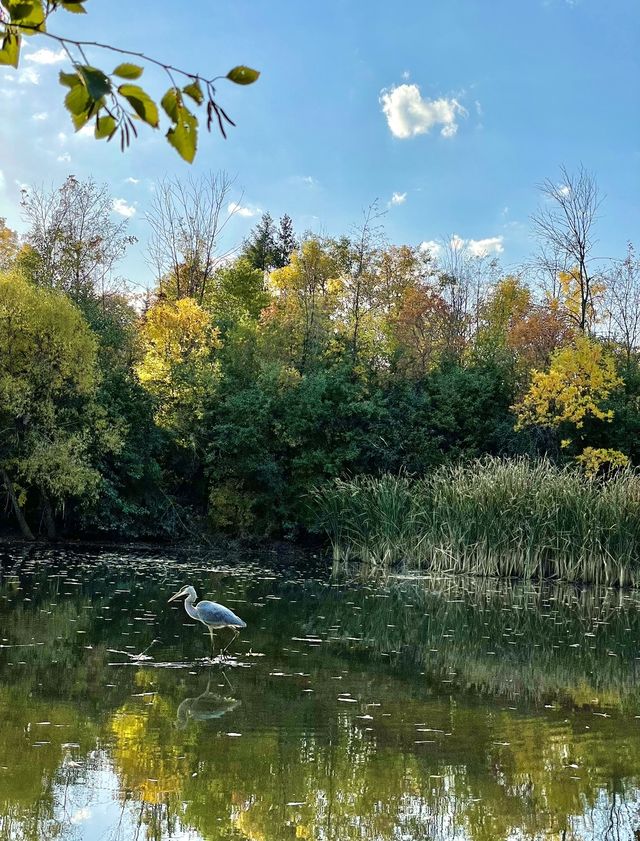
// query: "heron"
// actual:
[[205, 707], [211, 614]]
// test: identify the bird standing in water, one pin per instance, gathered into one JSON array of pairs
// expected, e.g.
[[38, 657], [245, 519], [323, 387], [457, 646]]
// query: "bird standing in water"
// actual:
[[211, 614]]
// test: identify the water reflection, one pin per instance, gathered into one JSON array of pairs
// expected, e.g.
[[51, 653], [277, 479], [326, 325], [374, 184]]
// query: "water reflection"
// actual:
[[427, 708], [204, 707]]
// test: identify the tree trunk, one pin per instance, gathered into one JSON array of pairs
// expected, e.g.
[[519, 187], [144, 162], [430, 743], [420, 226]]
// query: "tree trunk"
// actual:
[[49, 521], [24, 526]]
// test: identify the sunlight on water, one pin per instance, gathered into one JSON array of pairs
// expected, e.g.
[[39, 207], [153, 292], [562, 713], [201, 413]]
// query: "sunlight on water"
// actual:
[[418, 707]]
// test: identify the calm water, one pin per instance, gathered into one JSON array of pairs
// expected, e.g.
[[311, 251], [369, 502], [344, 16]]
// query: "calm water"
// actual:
[[422, 709]]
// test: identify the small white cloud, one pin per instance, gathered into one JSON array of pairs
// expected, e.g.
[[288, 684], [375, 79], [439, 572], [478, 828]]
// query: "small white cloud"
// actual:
[[62, 138], [1, 180], [46, 56], [398, 198], [65, 158], [120, 206], [408, 114], [131, 180], [246, 212], [406, 74], [41, 117], [479, 247], [564, 190]]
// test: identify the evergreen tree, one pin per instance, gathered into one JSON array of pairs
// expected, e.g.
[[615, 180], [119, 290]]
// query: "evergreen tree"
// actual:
[[286, 242], [261, 246]]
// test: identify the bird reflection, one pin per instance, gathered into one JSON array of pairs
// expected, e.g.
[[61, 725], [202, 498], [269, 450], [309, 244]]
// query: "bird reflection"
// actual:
[[205, 707]]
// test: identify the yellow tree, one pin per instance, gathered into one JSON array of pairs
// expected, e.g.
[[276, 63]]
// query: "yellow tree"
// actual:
[[9, 246], [306, 295], [580, 379], [178, 365]]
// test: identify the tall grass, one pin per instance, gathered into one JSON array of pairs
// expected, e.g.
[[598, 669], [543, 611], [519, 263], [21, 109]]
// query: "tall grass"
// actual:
[[516, 517]]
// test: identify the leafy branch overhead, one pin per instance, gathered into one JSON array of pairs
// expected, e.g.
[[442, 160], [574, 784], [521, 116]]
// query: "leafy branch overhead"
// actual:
[[114, 102]]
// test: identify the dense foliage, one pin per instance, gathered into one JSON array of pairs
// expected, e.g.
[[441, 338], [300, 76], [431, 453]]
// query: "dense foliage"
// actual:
[[241, 384]]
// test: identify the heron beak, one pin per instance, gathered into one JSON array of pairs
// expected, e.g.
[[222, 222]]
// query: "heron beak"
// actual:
[[176, 595]]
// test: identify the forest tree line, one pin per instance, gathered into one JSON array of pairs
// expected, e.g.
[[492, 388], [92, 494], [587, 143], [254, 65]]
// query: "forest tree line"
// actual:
[[249, 377]]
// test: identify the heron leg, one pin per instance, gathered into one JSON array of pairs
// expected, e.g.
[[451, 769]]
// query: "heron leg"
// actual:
[[213, 644], [233, 639]]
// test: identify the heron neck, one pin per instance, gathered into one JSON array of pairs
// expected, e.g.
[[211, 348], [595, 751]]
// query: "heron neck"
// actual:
[[189, 606]]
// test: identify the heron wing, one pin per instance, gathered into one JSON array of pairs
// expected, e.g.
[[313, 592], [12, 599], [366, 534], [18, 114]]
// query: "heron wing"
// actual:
[[217, 615]]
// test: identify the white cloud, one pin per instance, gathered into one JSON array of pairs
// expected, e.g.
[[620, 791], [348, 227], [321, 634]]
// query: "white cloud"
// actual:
[[564, 190], [62, 138], [483, 247], [39, 118], [46, 56], [28, 76], [434, 248], [398, 198], [479, 247], [120, 206], [64, 158], [1, 180], [131, 180], [408, 114], [246, 212], [474, 247]]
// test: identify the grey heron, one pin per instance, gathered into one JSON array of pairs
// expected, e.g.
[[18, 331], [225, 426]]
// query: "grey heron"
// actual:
[[211, 614]]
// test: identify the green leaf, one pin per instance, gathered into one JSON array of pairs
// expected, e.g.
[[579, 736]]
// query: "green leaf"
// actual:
[[80, 105], [141, 103], [184, 135], [75, 6], [77, 101], [97, 84], [10, 50], [69, 80], [105, 127], [242, 75], [128, 71], [171, 103], [26, 13], [194, 91]]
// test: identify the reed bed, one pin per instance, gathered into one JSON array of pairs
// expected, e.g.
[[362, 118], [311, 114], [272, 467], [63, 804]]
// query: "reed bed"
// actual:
[[493, 517]]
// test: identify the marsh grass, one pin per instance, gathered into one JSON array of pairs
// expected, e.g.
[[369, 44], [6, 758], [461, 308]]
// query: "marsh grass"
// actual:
[[519, 517]]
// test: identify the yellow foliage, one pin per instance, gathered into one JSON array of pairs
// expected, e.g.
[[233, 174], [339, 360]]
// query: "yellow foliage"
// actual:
[[178, 366], [593, 458], [580, 378], [571, 295]]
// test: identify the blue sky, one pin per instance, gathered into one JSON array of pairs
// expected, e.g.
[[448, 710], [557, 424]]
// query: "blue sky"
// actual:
[[457, 107]]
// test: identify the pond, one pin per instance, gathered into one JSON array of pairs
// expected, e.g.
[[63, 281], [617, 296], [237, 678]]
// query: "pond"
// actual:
[[414, 708]]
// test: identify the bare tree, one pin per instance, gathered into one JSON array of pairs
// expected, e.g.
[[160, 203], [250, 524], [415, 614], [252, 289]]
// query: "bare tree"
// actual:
[[74, 242], [357, 258], [623, 302], [187, 219], [465, 275], [564, 225]]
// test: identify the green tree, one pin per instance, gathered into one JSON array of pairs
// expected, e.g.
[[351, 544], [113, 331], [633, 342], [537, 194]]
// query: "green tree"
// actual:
[[48, 417]]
